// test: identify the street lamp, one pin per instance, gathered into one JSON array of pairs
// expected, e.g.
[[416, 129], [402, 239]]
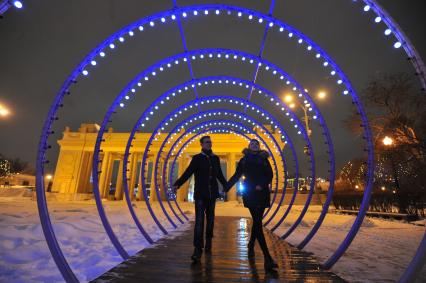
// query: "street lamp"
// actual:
[[387, 141], [4, 112]]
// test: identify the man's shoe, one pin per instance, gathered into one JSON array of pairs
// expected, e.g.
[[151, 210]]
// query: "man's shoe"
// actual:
[[208, 247], [196, 256], [270, 264]]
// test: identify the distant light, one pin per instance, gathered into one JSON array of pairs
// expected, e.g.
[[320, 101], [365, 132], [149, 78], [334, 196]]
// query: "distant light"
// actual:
[[18, 4], [184, 14], [260, 20], [378, 19], [322, 94], [383, 188], [121, 104], [102, 54], [49, 177], [387, 141], [397, 44], [388, 31], [131, 33], [339, 82], [85, 72], [93, 63], [151, 24], [112, 46], [121, 39], [366, 8]]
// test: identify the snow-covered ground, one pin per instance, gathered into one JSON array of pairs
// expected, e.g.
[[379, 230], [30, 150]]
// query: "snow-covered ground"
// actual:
[[379, 253]]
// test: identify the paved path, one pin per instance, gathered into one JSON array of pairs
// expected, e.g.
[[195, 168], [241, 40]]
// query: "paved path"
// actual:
[[169, 260]]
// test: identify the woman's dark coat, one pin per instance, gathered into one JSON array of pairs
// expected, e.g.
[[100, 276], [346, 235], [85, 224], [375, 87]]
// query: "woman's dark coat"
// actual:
[[255, 167]]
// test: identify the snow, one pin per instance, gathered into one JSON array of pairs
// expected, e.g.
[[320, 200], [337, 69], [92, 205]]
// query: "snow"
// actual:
[[25, 257], [379, 253]]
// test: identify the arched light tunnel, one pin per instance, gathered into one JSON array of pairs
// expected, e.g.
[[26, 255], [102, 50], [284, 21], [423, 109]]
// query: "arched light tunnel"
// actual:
[[212, 114]]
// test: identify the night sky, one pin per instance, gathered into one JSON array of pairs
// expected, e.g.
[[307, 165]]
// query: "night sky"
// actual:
[[42, 43]]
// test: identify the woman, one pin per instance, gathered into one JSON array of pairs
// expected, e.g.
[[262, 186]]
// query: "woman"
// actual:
[[258, 176]]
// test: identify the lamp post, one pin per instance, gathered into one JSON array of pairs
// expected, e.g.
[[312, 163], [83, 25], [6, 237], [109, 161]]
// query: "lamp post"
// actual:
[[305, 108], [388, 142]]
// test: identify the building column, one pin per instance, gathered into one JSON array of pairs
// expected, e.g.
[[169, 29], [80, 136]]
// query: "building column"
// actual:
[[185, 187], [140, 189], [181, 168], [160, 179], [133, 174], [104, 174], [230, 170], [152, 195], [119, 185]]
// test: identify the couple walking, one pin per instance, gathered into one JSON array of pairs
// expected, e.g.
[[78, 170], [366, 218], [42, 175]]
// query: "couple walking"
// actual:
[[205, 166]]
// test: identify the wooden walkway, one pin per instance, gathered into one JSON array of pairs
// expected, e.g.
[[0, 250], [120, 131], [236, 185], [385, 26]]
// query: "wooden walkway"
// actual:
[[169, 260]]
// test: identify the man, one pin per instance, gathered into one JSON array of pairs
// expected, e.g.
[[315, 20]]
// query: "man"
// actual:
[[206, 168]]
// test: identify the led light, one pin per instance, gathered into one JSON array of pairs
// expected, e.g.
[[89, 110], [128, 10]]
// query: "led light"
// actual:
[[112, 46], [325, 64], [345, 92], [93, 63], [121, 39], [239, 14], [133, 90], [121, 105], [85, 72], [397, 44], [309, 48], [250, 17], [184, 14], [339, 82], [163, 20], [281, 29], [318, 55], [271, 24], [151, 24], [333, 73], [300, 41], [260, 20], [127, 97], [366, 8], [378, 19], [195, 13], [217, 12], [290, 34], [17, 4], [173, 17], [388, 31], [102, 54], [206, 12]]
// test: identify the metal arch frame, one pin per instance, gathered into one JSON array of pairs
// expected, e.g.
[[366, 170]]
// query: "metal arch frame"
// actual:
[[183, 107], [190, 129], [141, 118], [399, 34], [283, 75], [42, 207], [227, 123]]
